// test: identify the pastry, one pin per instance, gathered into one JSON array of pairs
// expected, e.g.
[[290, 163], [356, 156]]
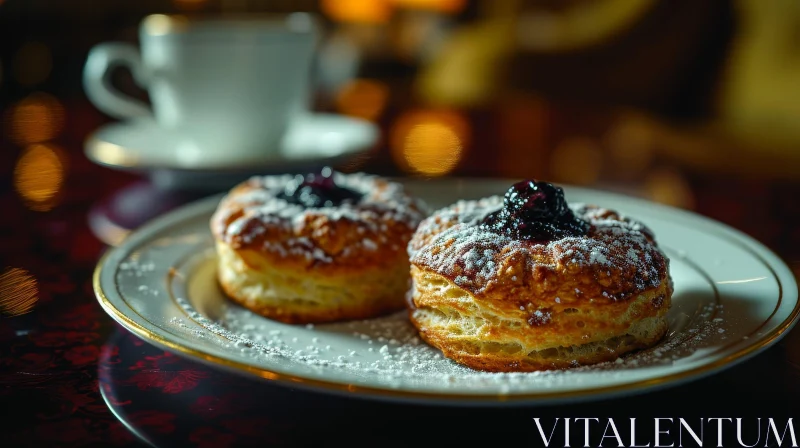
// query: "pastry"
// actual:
[[317, 248], [527, 282]]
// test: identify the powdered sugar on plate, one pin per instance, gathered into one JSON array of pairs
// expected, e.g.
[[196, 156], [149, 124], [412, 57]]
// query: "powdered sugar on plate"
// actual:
[[388, 351], [385, 351], [161, 284]]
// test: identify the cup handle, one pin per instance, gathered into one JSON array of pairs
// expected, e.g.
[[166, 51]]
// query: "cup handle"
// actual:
[[96, 84]]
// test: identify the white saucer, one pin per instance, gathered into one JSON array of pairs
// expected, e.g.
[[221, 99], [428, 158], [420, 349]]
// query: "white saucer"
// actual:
[[143, 145]]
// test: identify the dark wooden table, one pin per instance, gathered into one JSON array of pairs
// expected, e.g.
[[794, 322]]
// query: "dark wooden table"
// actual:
[[69, 376]]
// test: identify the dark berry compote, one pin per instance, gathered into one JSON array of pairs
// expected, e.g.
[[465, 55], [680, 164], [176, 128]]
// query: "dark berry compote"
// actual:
[[535, 211], [317, 190]]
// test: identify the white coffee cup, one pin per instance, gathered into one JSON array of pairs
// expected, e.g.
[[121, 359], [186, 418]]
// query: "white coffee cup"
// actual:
[[230, 83]]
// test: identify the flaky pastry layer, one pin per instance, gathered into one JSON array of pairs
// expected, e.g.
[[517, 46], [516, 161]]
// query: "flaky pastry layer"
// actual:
[[495, 303], [298, 296], [474, 332]]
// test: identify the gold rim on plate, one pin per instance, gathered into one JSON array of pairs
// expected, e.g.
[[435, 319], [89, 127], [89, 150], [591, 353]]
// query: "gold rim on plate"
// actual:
[[522, 398]]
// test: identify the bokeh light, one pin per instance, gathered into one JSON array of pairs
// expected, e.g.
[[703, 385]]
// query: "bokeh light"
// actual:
[[362, 98], [445, 6], [18, 292], [432, 148], [429, 142], [366, 11], [668, 186], [32, 63], [39, 175], [37, 118], [577, 160]]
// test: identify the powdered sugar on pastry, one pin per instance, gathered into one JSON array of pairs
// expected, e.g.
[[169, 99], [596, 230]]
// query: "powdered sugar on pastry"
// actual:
[[254, 216], [619, 252]]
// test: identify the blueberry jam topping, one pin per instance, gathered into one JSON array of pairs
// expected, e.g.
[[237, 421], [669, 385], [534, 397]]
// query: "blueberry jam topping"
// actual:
[[317, 190], [535, 211]]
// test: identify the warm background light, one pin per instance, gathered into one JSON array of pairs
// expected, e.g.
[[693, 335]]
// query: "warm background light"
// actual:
[[429, 142], [432, 148], [32, 63], [37, 118], [362, 98], [39, 175], [576, 160], [669, 186], [18, 292], [445, 6], [368, 11]]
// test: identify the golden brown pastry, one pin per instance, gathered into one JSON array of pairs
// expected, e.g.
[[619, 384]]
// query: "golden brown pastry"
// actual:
[[526, 282], [316, 248]]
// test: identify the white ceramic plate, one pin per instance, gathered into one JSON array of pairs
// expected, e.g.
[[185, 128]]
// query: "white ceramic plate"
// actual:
[[316, 138], [733, 298]]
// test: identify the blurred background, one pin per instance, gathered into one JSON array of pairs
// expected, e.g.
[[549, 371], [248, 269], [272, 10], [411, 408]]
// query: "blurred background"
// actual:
[[695, 104], [692, 104]]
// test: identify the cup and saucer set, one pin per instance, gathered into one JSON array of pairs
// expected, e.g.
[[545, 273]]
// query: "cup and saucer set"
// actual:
[[229, 99]]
